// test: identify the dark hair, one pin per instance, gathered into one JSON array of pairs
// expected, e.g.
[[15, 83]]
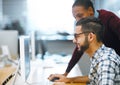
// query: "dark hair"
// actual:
[[94, 25], [84, 3]]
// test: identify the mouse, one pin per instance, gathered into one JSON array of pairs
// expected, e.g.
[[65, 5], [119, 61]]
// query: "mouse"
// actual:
[[56, 78]]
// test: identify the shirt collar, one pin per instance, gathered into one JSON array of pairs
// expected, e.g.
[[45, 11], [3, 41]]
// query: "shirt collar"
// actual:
[[98, 51]]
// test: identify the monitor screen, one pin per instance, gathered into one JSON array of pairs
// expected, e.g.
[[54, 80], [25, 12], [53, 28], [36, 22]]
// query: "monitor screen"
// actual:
[[25, 56], [9, 38]]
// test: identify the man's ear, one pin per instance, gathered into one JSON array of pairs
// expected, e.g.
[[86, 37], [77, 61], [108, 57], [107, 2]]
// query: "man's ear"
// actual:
[[91, 12], [91, 37]]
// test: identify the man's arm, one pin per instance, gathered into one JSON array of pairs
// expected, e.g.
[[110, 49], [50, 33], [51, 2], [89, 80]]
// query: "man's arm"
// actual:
[[75, 58], [78, 79]]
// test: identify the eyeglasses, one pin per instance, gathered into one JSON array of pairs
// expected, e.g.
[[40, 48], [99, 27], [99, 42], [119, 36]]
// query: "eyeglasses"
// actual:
[[76, 35]]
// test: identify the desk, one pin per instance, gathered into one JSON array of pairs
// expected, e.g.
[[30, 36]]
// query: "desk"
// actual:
[[76, 84], [61, 83], [5, 72], [42, 69]]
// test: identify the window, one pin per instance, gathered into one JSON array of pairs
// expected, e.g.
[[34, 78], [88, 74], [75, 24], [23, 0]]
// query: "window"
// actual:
[[50, 16]]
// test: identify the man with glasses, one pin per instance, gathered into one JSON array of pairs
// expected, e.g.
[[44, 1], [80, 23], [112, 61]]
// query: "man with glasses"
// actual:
[[105, 62], [84, 8]]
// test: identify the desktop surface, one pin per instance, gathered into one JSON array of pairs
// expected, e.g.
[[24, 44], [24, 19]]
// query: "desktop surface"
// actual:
[[41, 69], [62, 83], [8, 75]]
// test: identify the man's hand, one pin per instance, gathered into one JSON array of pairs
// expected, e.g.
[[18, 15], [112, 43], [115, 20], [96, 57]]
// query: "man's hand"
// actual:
[[60, 78]]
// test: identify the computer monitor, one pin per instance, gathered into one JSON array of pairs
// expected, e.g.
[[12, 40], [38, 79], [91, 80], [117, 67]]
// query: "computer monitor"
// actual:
[[9, 38], [25, 56], [32, 45]]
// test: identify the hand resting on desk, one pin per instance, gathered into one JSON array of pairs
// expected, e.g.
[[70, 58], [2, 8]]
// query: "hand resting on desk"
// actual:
[[57, 78], [78, 80]]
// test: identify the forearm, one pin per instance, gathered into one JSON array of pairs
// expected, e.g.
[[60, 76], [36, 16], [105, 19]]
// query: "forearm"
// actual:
[[65, 74], [79, 79]]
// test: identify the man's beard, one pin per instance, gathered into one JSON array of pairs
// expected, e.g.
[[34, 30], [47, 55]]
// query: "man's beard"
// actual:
[[84, 47]]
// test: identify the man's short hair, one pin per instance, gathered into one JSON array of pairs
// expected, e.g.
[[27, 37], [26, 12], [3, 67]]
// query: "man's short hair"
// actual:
[[94, 25], [84, 3]]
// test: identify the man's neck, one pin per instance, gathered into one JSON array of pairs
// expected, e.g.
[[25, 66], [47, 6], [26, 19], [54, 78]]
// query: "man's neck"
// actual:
[[93, 48]]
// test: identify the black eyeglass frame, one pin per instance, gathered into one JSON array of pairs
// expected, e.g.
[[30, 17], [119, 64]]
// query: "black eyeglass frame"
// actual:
[[75, 35]]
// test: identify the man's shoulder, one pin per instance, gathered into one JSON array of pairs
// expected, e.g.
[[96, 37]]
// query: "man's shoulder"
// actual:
[[108, 54], [105, 14], [103, 11]]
